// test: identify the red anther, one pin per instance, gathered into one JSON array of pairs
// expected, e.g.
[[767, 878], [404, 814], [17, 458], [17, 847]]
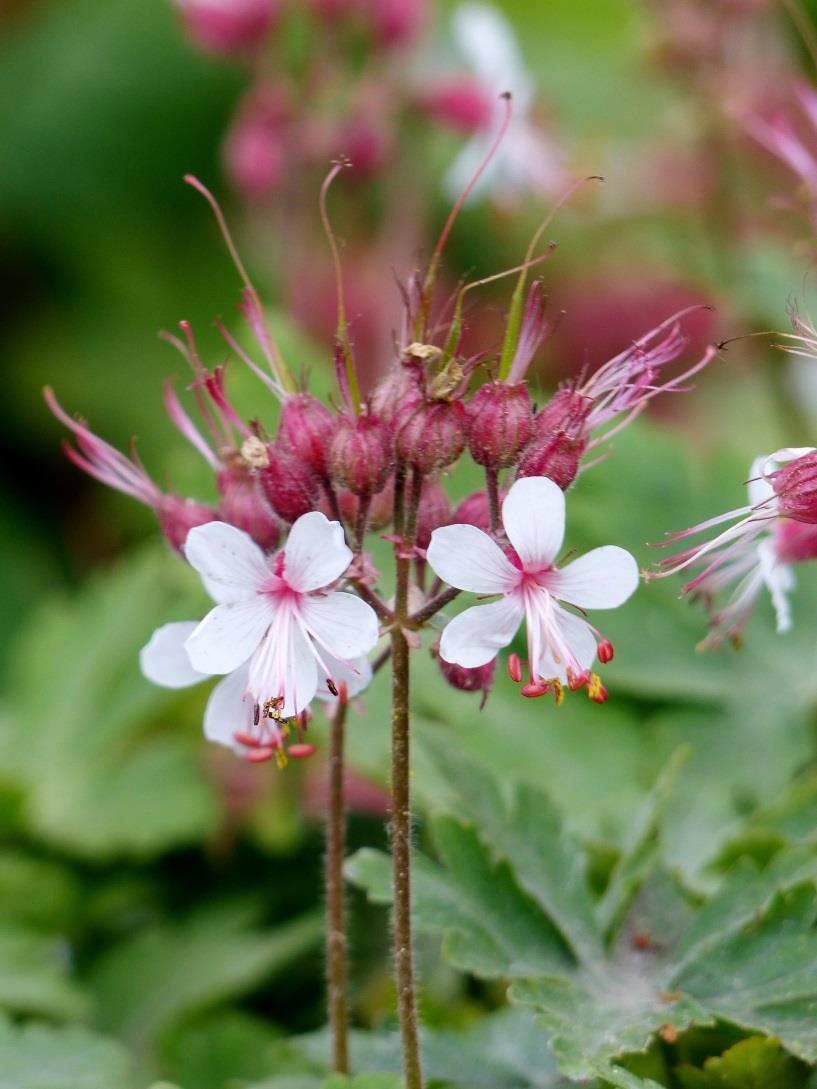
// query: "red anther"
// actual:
[[515, 668], [300, 750], [575, 681], [250, 740], [534, 689], [343, 692], [605, 651], [330, 684], [259, 756]]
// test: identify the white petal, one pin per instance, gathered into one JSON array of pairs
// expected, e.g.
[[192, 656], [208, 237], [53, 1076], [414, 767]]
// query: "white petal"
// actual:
[[163, 659], [230, 708], [315, 553], [486, 40], [231, 564], [465, 557], [580, 640], [228, 635], [284, 665], [473, 638], [534, 518], [341, 624], [779, 582], [601, 579], [356, 675]]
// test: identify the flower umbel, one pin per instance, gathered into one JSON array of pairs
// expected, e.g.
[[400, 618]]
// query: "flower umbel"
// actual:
[[561, 644]]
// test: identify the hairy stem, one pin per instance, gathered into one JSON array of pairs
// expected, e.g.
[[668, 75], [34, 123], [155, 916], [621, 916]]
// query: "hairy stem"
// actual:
[[492, 485], [432, 607], [336, 939], [401, 802]]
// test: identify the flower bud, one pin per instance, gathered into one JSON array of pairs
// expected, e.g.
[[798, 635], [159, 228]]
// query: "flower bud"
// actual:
[[396, 23], [244, 505], [434, 511], [556, 456], [500, 424], [432, 435], [397, 393], [794, 542], [795, 485], [474, 510], [566, 411], [478, 679], [306, 429], [460, 103], [289, 484], [227, 26], [178, 516], [254, 159], [360, 455], [381, 508]]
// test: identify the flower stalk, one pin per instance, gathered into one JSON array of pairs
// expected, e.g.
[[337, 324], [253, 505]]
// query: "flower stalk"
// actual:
[[336, 935]]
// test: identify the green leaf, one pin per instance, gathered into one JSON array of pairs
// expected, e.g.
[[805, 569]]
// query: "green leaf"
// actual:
[[756, 1063], [145, 984], [748, 956], [35, 975], [88, 738], [39, 1057], [222, 1046]]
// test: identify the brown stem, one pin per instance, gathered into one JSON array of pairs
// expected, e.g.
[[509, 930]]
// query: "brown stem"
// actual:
[[401, 861], [492, 484], [416, 620], [336, 941], [332, 498], [371, 598], [401, 799]]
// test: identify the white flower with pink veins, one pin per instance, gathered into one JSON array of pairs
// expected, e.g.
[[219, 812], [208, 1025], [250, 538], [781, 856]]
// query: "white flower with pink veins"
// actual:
[[561, 644], [278, 630]]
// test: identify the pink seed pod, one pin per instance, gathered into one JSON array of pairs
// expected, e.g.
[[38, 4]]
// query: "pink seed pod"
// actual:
[[432, 436], [460, 103], [567, 410], [557, 456], [255, 159], [226, 27], [500, 424], [397, 393], [434, 511], [244, 505], [381, 508], [795, 486], [289, 484], [178, 516], [479, 679], [360, 454], [474, 510], [396, 23], [795, 542], [306, 429]]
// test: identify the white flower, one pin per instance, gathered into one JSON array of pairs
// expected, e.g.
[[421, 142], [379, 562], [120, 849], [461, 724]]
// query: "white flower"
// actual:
[[277, 629], [526, 160], [561, 645], [230, 709]]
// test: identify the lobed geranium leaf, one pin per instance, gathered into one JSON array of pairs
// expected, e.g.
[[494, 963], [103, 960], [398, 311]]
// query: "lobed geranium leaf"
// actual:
[[35, 975], [756, 1063], [500, 895]]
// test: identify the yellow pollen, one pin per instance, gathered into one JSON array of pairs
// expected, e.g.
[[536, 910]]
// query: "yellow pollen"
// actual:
[[558, 692], [281, 758], [594, 686]]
